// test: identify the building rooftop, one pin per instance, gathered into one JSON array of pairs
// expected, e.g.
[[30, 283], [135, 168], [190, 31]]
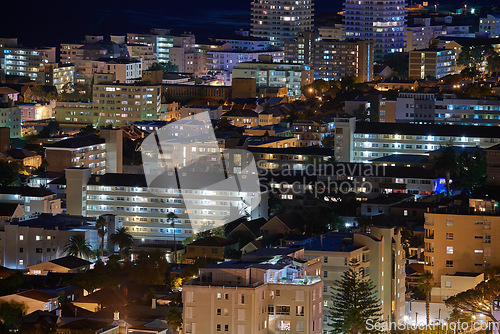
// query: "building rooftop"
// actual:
[[77, 142], [71, 262], [37, 295], [212, 241], [428, 129], [26, 191], [403, 158], [240, 113], [332, 242], [310, 150]]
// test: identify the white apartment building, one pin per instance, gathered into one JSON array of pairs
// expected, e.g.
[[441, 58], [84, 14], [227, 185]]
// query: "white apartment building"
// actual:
[[125, 69], [10, 117], [245, 43], [491, 25], [222, 62], [363, 141], [426, 108], [36, 111], [26, 61], [32, 200], [143, 211], [281, 20], [421, 32], [42, 238], [281, 295], [384, 22]]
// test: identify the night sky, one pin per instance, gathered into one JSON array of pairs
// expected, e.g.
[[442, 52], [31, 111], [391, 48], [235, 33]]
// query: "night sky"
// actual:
[[49, 23]]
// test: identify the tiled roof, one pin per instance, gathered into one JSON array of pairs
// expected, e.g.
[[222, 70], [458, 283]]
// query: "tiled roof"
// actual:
[[77, 142], [71, 262], [212, 242], [37, 295]]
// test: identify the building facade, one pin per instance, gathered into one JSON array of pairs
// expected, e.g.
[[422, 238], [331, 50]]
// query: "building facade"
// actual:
[[384, 22], [431, 63], [280, 20], [490, 25]]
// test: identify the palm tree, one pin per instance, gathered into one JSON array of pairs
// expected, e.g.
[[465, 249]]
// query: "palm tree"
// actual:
[[170, 218], [426, 281], [101, 227], [446, 163], [174, 318], [122, 239], [78, 246]]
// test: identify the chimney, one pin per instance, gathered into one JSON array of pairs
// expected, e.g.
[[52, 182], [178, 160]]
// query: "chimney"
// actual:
[[116, 316], [153, 303]]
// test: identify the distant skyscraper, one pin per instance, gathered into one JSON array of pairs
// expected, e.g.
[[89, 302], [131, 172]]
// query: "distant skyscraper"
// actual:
[[280, 20], [383, 21]]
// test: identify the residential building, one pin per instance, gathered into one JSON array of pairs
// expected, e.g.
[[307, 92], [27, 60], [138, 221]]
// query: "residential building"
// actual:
[[428, 108], [242, 118], [29, 159], [10, 117], [215, 111], [143, 210], [383, 22], [332, 59], [381, 257], [431, 63], [493, 165], [67, 264], [363, 141], [118, 104], [68, 52], [160, 40], [335, 32], [462, 239], [125, 69], [32, 200], [244, 43], [311, 131], [291, 158], [180, 92], [26, 61], [59, 75], [254, 296], [280, 20], [33, 240], [10, 211], [267, 73], [453, 284], [420, 33], [35, 300], [36, 111], [222, 62], [209, 248], [143, 52], [490, 25], [101, 154]]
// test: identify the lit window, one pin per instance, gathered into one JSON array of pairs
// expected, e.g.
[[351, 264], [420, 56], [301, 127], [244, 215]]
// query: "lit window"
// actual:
[[449, 250]]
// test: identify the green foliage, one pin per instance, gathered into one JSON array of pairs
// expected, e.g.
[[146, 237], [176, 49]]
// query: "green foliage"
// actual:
[[78, 246], [445, 165], [166, 67], [10, 315], [354, 302], [322, 219], [10, 284], [51, 129], [174, 318], [477, 300], [471, 171], [88, 130], [399, 63], [101, 227], [76, 92], [9, 175], [122, 239], [426, 282], [328, 140]]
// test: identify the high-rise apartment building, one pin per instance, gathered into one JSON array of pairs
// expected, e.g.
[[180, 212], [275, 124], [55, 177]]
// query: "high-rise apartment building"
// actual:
[[383, 21], [332, 59], [462, 239], [281, 20], [26, 61], [279, 293], [433, 63]]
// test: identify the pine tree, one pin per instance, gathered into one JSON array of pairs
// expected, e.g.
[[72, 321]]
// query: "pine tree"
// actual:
[[354, 302]]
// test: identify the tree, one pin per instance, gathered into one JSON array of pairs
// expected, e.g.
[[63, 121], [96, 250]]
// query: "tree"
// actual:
[[52, 128], [88, 130], [354, 301], [446, 164], [481, 299], [8, 174], [101, 227], [174, 318], [171, 217], [78, 246], [122, 239], [328, 140], [10, 315], [471, 170], [426, 281]]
